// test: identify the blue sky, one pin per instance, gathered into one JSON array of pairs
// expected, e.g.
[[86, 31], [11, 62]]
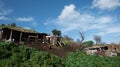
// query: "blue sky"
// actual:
[[93, 17]]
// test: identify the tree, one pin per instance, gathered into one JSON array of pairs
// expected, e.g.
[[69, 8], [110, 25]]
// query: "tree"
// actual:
[[2, 25], [12, 24], [88, 43], [97, 38], [81, 36], [56, 32]]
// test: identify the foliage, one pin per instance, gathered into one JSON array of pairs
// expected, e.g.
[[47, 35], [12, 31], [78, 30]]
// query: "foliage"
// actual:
[[2, 25], [80, 59], [67, 40], [88, 43], [12, 55], [56, 32], [12, 24]]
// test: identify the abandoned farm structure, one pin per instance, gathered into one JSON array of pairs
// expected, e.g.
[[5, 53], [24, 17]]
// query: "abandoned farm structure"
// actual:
[[18, 34]]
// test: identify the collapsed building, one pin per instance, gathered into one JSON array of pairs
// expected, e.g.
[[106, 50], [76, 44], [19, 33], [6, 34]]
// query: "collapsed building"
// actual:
[[18, 34], [103, 50], [54, 40]]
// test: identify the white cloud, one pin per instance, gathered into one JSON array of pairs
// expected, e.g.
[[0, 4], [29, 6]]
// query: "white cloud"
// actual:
[[72, 20], [4, 11], [110, 29], [113, 30], [34, 24], [104, 19], [106, 4], [4, 18], [25, 19], [30, 20], [69, 10]]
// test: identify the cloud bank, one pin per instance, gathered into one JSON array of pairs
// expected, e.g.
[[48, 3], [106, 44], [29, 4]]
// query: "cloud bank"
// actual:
[[29, 20], [106, 4], [25, 19], [4, 11], [70, 20]]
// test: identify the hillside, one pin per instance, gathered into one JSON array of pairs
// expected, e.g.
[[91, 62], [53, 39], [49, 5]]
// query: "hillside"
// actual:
[[12, 55]]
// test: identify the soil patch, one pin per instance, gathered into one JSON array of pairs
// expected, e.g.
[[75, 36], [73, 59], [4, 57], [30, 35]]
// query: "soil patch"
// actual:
[[56, 50]]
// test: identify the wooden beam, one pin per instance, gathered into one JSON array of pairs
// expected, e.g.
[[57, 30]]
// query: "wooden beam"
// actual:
[[28, 37], [1, 34], [11, 34], [37, 38], [37, 35], [20, 37]]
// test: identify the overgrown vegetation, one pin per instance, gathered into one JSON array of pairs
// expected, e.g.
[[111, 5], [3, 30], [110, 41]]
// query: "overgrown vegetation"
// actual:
[[12, 55], [13, 26], [88, 43], [80, 59], [67, 40], [56, 32]]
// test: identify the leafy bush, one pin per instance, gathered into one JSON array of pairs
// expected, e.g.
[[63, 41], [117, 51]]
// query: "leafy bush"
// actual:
[[88, 43], [80, 59], [22, 56], [12, 55]]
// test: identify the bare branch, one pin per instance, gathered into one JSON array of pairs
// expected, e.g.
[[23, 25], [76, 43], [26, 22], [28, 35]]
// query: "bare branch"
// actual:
[[97, 38], [82, 36]]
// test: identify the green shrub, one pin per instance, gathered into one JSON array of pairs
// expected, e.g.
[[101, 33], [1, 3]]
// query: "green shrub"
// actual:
[[12, 55], [80, 59]]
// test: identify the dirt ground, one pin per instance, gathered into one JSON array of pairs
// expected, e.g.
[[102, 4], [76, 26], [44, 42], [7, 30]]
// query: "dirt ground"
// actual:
[[56, 50]]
